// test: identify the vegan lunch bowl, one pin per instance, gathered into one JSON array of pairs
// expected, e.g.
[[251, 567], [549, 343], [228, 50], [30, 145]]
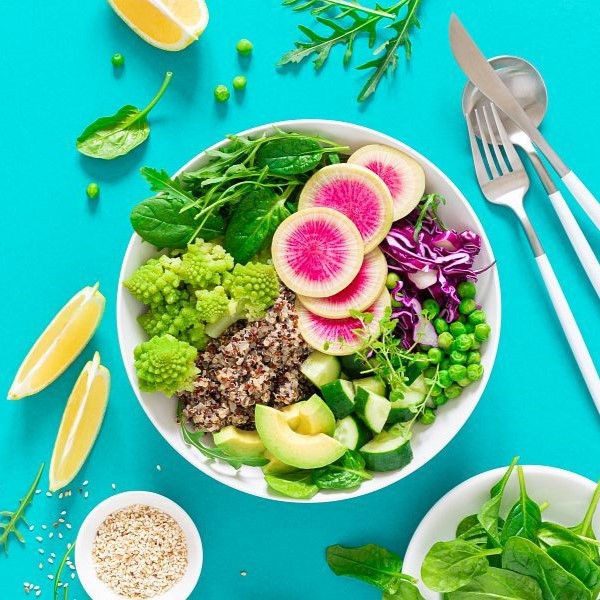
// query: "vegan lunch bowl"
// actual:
[[308, 311]]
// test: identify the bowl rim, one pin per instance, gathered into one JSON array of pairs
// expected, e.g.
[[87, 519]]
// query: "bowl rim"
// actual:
[[491, 350], [87, 532], [483, 480]]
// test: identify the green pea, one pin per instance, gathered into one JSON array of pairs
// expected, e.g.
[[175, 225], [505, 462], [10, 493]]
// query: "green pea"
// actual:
[[391, 280], [244, 47], [444, 379], [458, 358], [462, 342], [482, 332], [457, 328], [431, 309], [421, 361], [424, 347], [469, 327], [453, 391], [467, 306], [435, 391], [462, 319], [445, 364], [118, 60], [473, 358], [222, 93], [445, 340], [477, 316], [466, 289], [427, 417], [239, 82], [92, 191], [475, 372], [440, 400], [475, 343], [464, 382], [430, 372], [435, 355], [457, 372], [440, 325]]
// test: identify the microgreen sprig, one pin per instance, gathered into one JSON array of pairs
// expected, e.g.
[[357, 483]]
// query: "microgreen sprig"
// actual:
[[59, 571]]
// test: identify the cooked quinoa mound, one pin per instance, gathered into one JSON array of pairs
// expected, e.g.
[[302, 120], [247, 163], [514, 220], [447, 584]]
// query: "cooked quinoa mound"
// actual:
[[251, 363]]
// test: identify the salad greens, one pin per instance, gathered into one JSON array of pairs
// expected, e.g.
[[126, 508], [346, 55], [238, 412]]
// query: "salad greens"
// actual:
[[118, 134], [344, 22], [59, 571]]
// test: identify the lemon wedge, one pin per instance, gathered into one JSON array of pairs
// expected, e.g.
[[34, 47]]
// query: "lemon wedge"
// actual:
[[80, 423], [166, 24], [60, 343]]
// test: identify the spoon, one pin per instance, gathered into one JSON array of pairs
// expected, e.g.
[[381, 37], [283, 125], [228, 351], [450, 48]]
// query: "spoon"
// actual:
[[528, 87]]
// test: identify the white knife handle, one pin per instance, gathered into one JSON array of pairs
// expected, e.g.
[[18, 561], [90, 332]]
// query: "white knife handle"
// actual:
[[578, 240], [569, 325], [583, 196]]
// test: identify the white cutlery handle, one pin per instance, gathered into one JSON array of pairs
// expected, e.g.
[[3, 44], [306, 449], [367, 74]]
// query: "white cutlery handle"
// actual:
[[583, 196], [577, 238], [569, 325]]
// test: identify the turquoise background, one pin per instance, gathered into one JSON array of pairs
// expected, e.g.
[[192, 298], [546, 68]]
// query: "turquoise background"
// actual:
[[57, 77]]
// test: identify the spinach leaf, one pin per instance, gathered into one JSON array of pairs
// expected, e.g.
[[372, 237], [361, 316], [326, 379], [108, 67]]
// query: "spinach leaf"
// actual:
[[253, 222], [552, 534], [468, 523], [109, 137], [523, 556], [290, 156], [346, 473], [577, 563], [371, 563], [450, 565], [488, 514], [499, 584], [524, 517], [406, 591], [295, 485], [585, 527]]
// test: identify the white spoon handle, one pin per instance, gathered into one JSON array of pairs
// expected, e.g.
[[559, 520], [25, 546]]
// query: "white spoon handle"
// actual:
[[583, 196], [578, 240], [569, 325]]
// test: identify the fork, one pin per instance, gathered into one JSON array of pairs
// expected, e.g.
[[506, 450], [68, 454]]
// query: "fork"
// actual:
[[505, 182]]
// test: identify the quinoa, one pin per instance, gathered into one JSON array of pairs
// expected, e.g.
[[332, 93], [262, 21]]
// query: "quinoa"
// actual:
[[140, 552], [251, 363]]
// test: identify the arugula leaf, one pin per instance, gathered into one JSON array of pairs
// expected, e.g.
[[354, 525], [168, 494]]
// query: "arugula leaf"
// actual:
[[319, 6], [498, 584], [525, 516], [253, 223], [118, 134], [346, 473], [577, 563], [161, 182], [61, 566], [295, 485], [371, 563]]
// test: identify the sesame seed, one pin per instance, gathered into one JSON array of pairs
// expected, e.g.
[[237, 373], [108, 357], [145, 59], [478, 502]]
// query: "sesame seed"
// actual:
[[113, 486], [39, 538], [52, 555], [49, 494], [41, 565], [72, 575], [63, 513], [85, 482], [158, 468], [44, 526], [60, 535], [50, 577], [50, 535], [38, 592], [38, 491], [41, 551], [51, 561], [86, 494], [60, 496], [68, 526], [243, 573], [31, 527], [61, 520]]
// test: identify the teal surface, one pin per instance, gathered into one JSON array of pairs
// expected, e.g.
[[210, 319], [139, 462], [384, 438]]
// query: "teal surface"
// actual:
[[57, 77]]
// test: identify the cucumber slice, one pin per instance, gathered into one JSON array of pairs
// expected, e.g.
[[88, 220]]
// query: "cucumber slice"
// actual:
[[321, 368], [388, 451], [372, 408], [373, 384], [339, 396], [352, 432], [353, 365], [404, 409]]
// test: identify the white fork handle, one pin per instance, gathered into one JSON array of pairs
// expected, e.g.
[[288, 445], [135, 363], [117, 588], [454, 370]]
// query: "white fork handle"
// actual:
[[569, 325], [578, 240], [583, 196]]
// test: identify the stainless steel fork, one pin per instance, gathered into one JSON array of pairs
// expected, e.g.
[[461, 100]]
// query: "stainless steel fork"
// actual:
[[503, 180]]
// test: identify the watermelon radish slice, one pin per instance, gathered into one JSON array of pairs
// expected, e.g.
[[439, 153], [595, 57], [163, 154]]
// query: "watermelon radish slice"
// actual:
[[359, 295], [325, 334], [317, 252], [358, 193], [403, 175]]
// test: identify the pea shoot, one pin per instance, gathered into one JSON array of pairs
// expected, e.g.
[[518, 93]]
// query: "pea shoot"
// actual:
[[222, 93], [92, 191], [244, 47]]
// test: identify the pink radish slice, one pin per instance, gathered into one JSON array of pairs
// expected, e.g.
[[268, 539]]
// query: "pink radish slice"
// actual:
[[403, 175], [356, 192], [325, 334], [317, 252], [360, 294]]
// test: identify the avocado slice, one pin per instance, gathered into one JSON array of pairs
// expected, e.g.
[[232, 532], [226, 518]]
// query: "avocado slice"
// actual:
[[239, 443], [292, 448], [276, 467], [315, 417]]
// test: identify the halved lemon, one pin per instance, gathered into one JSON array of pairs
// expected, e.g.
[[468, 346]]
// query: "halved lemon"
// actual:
[[166, 24], [60, 343], [80, 423]]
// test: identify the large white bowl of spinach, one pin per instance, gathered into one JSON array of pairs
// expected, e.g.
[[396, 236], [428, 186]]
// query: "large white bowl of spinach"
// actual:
[[164, 225]]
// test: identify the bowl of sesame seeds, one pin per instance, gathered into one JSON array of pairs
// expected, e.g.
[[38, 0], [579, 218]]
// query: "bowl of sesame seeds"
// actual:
[[138, 545]]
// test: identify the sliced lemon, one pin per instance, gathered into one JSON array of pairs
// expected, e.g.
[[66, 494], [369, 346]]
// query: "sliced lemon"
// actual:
[[80, 423], [60, 343], [166, 24]]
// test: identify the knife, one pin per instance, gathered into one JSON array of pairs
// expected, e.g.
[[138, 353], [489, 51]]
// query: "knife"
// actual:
[[482, 74]]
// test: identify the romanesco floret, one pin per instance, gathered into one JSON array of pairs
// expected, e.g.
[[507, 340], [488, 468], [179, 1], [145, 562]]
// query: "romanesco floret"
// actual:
[[165, 364], [155, 283], [255, 285], [203, 264], [213, 304]]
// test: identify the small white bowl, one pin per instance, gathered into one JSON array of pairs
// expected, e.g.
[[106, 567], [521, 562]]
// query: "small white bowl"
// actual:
[[569, 495], [86, 571]]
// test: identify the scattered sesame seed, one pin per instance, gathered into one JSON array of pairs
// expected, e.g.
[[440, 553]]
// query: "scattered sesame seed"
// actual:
[[51, 577], [51, 561], [243, 573], [158, 468], [85, 482], [38, 593], [63, 513], [31, 527], [39, 538], [68, 526], [60, 496], [86, 494], [44, 526], [50, 535], [41, 565], [72, 575], [60, 535], [41, 551], [61, 520], [49, 494], [52, 555], [38, 491], [113, 486], [68, 548]]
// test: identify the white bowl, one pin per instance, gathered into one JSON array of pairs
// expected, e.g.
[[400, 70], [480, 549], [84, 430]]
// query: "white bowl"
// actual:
[[569, 495], [427, 442], [86, 571]]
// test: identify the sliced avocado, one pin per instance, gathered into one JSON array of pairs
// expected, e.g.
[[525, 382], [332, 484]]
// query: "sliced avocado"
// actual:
[[292, 448], [276, 467], [315, 417], [239, 443], [292, 414]]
